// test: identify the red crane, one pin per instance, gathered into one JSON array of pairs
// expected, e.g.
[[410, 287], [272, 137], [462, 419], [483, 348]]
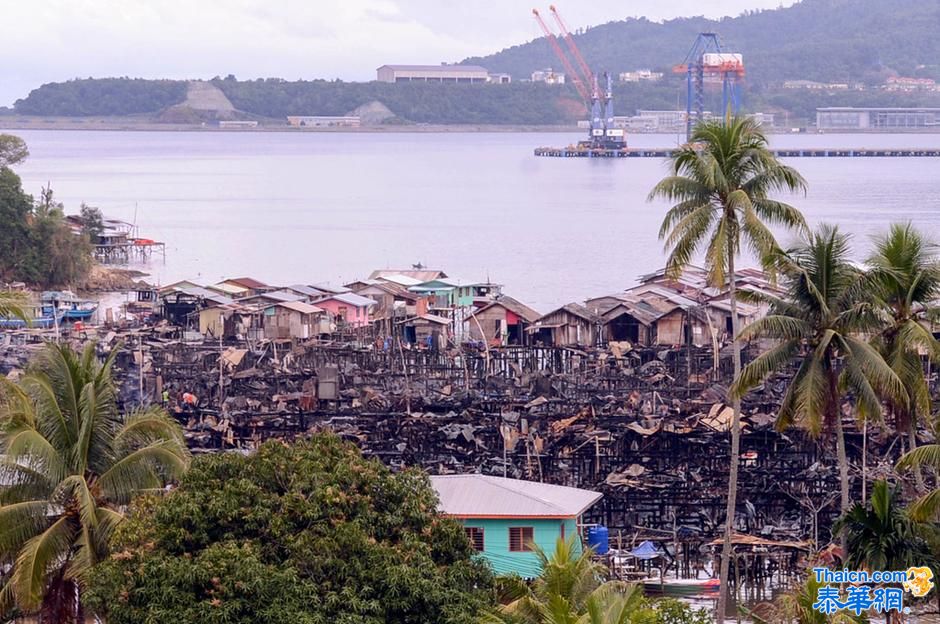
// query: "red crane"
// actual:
[[588, 76], [552, 39]]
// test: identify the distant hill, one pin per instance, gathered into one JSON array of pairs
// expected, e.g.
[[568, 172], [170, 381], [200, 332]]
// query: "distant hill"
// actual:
[[844, 41], [821, 40]]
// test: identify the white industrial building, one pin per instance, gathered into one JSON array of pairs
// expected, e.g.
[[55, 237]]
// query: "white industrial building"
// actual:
[[432, 73], [849, 118]]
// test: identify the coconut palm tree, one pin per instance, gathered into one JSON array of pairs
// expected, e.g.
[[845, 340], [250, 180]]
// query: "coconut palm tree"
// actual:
[[721, 187], [928, 506], [570, 590], [905, 274], [70, 462], [819, 325]]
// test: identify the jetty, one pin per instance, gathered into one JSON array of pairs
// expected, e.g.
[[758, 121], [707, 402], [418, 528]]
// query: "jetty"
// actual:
[[666, 152]]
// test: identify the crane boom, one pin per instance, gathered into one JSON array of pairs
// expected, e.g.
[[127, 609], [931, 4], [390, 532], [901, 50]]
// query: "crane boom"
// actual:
[[553, 40], [588, 76]]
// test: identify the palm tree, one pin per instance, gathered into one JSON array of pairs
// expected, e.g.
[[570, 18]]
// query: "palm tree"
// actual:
[[721, 184], [819, 325], [880, 535], [928, 506], [12, 305], [70, 462], [570, 591], [905, 275]]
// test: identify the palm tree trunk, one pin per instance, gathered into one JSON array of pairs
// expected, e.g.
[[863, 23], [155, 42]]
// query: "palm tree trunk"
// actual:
[[735, 448], [836, 415], [912, 440]]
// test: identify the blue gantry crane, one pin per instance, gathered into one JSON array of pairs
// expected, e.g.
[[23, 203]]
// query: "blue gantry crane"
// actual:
[[705, 63]]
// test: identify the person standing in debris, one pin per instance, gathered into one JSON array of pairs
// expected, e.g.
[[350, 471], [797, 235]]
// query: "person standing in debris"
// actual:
[[165, 397], [189, 402]]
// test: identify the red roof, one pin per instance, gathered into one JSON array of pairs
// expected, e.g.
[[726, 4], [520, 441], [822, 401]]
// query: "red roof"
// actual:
[[247, 282]]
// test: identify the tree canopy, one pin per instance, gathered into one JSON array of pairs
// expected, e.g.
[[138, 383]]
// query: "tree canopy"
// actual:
[[310, 532], [36, 244]]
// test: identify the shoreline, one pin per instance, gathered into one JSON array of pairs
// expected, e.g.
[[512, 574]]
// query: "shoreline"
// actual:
[[12, 123]]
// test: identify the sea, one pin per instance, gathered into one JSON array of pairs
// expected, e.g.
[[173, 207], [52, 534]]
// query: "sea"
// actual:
[[308, 207]]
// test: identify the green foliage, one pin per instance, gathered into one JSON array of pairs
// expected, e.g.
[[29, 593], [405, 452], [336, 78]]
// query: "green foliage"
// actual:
[[70, 459], [571, 590], [721, 184], [819, 326], [881, 536], [927, 506], [13, 150], [92, 221], [102, 96], [36, 244], [305, 533]]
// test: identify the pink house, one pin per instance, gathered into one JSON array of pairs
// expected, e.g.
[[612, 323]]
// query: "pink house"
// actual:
[[353, 310]]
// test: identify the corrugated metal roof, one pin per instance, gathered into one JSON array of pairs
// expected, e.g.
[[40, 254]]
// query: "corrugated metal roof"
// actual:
[[299, 306], [401, 280], [423, 275], [515, 306], [441, 68], [349, 298], [476, 495]]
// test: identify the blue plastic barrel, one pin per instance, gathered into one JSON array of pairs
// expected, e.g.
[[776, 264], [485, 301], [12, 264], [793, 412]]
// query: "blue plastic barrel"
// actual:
[[598, 539]]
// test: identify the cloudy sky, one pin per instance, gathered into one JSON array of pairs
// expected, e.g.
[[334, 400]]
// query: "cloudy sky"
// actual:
[[55, 40]]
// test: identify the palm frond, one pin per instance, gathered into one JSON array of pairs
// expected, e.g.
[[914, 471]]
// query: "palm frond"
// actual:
[[37, 557]]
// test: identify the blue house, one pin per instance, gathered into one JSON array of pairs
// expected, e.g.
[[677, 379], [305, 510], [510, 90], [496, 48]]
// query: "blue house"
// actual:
[[504, 517]]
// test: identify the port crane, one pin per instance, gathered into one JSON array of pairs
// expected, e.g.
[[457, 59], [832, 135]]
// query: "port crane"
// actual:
[[602, 133], [706, 62]]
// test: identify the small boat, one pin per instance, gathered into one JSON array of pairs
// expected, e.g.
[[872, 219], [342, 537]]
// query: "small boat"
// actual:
[[681, 587], [74, 308], [40, 316]]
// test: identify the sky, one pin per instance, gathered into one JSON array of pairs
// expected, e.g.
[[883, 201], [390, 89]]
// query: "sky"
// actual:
[[56, 40]]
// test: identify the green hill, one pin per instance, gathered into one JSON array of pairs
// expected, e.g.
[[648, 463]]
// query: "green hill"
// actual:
[[821, 40], [845, 41]]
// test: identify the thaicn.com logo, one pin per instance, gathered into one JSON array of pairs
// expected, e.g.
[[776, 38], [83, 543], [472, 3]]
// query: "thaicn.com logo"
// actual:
[[859, 591]]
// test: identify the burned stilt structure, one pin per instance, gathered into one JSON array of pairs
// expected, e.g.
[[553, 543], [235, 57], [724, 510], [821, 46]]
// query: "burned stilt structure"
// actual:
[[648, 427]]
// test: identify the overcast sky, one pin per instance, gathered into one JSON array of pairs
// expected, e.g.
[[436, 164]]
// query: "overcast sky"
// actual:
[[54, 40]]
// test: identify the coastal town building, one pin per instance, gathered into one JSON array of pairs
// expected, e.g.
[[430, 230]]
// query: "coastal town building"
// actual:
[[506, 518], [432, 73], [502, 322], [348, 309]]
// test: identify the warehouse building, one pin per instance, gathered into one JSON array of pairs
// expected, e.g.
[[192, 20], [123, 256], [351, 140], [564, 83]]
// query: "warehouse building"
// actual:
[[432, 73], [849, 118]]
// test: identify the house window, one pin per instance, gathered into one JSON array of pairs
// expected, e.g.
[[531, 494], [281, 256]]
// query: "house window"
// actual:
[[475, 535], [520, 539]]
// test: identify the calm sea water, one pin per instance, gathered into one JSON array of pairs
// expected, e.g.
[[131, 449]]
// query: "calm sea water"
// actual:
[[288, 208]]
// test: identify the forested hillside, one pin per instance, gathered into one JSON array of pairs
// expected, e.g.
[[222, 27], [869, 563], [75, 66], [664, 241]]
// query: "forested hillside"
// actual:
[[845, 41], [823, 40]]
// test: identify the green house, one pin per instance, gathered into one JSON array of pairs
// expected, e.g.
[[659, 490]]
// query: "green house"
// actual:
[[504, 517]]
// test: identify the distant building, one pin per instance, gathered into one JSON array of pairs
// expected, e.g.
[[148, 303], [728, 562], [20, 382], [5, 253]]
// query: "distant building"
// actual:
[[432, 73], [238, 124], [499, 78], [849, 118], [641, 75], [901, 83], [548, 76], [668, 119], [324, 121], [815, 86]]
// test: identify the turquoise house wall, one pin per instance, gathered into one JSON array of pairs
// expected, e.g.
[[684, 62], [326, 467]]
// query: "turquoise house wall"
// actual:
[[496, 542]]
